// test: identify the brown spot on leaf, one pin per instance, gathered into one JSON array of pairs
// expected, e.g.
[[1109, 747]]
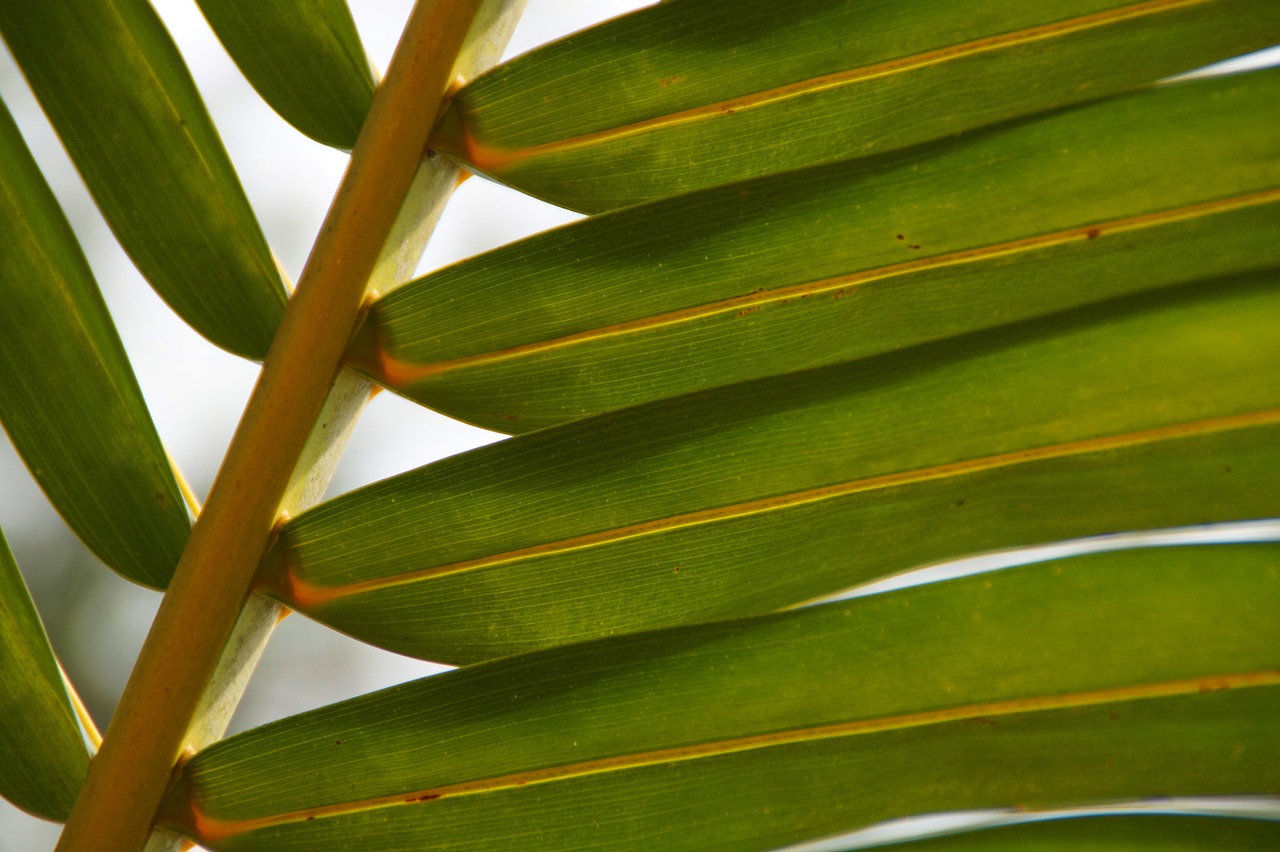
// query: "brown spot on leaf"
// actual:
[[1093, 233]]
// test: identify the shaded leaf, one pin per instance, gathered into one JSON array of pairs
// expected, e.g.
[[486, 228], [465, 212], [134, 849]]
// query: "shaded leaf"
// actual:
[[694, 93], [844, 261], [116, 90], [1133, 412], [42, 753], [304, 59], [1119, 675], [69, 400]]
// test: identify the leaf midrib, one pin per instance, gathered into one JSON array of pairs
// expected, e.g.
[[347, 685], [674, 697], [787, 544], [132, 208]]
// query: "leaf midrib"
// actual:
[[298, 592], [399, 373], [487, 158], [211, 829]]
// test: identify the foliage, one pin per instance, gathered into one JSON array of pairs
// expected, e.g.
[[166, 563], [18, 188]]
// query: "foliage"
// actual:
[[866, 285]]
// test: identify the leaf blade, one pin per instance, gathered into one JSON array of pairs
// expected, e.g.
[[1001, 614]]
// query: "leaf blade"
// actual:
[[124, 105], [70, 402], [692, 94], [43, 758], [680, 510], [952, 669], [305, 60], [842, 262]]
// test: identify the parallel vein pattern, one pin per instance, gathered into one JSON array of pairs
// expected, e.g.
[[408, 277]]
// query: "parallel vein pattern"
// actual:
[[1173, 690], [69, 400], [842, 262], [123, 103], [759, 495], [695, 93]]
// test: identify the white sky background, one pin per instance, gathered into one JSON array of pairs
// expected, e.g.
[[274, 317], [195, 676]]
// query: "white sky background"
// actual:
[[196, 391]]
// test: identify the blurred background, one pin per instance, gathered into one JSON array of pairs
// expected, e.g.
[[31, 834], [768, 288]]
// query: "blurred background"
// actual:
[[95, 619]]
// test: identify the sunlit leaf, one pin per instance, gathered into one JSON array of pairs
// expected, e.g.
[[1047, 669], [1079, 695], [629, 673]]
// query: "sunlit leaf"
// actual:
[[1120, 675], [305, 59], [116, 90], [42, 753], [694, 93], [763, 494], [843, 261], [68, 398]]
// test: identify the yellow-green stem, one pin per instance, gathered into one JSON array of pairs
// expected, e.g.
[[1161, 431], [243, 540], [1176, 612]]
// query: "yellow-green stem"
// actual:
[[149, 728]]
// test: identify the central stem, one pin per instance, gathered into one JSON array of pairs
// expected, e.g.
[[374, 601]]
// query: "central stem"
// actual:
[[151, 725]]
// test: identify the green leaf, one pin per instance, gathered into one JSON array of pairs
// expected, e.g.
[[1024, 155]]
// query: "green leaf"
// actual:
[[42, 752], [694, 93], [69, 400], [841, 262], [1130, 833], [305, 59], [745, 499], [116, 90], [1120, 675]]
